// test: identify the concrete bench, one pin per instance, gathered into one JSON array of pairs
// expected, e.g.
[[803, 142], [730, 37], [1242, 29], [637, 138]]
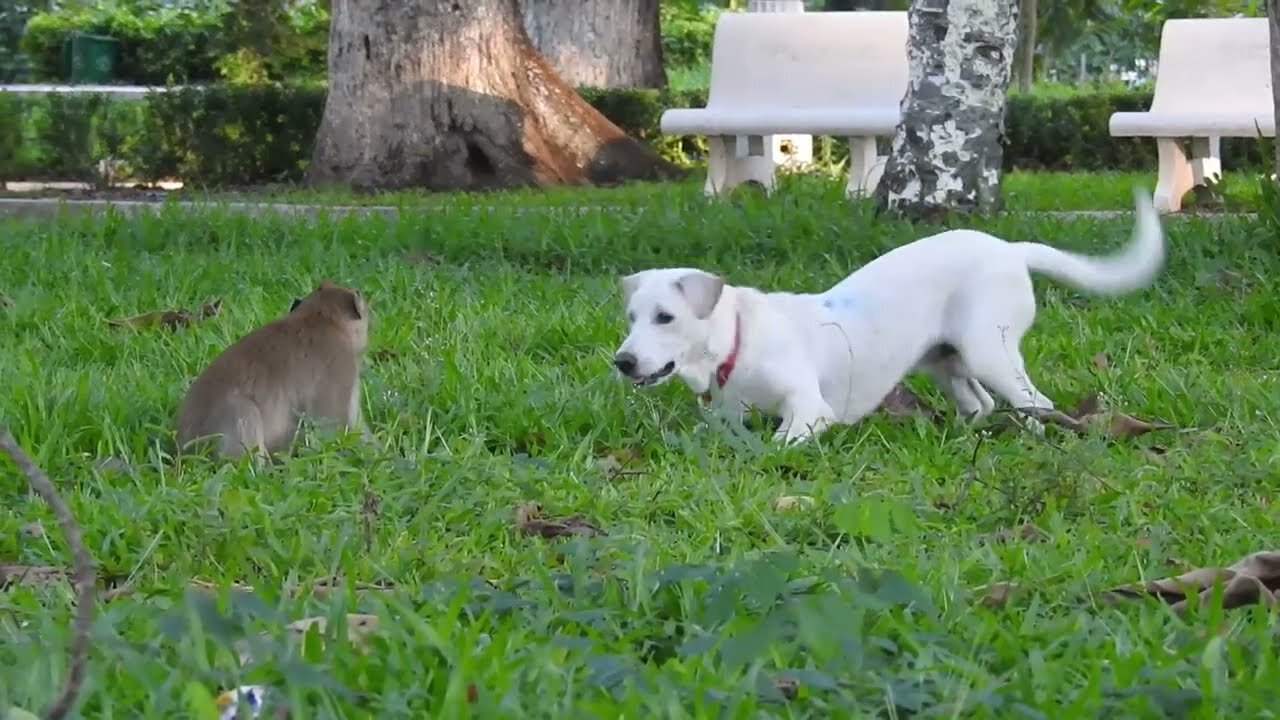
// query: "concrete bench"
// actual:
[[823, 73], [1213, 81]]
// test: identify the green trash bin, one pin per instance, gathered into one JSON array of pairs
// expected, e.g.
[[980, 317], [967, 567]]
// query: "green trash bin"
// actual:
[[89, 59]]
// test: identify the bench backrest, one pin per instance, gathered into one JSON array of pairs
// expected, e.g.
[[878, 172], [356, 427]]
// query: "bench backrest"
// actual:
[[1212, 65], [818, 59]]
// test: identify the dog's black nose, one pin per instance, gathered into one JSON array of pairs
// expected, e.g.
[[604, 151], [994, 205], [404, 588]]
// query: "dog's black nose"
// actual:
[[625, 362]]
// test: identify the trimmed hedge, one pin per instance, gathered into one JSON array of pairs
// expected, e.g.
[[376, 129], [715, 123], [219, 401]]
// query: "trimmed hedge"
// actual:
[[248, 135]]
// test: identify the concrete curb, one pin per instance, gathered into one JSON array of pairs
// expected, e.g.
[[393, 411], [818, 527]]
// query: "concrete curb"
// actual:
[[49, 208]]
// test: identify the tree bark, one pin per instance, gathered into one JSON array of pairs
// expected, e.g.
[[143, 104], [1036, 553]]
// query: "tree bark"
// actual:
[[1273, 23], [452, 95], [947, 151], [1029, 20], [599, 43]]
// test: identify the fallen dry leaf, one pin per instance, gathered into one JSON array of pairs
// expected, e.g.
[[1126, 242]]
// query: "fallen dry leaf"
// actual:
[[788, 502], [996, 595], [901, 402], [1251, 581], [324, 586], [32, 575], [32, 530], [170, 319], [5, 301], [788, 687], [1100, 361], [530, 521], [1088, 414]]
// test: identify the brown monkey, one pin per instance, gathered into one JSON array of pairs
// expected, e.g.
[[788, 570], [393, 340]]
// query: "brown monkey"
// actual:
[[251, 396]]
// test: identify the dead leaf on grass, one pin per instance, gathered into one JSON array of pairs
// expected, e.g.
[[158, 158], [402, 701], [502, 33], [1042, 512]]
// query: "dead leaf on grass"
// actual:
[[530, 521], [1089, 414], [788, 502], [170, 319], [31, 575], [1100, 361], [32, 530], [1251, 581], [901, 403], [788, 687], [6, 302]]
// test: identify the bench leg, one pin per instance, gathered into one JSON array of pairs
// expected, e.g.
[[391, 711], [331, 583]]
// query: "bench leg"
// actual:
[[865, 167], [753, 162], [1175, 177], [720, 148], [1206, 160]]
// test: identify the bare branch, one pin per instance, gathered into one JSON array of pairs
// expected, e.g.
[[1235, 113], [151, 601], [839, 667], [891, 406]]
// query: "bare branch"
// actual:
[[84, 576]]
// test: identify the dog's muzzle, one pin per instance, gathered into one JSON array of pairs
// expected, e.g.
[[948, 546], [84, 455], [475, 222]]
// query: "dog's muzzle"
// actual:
[[626, 364]]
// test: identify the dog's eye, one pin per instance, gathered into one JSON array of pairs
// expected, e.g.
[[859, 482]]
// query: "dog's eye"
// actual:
[[663, 318]]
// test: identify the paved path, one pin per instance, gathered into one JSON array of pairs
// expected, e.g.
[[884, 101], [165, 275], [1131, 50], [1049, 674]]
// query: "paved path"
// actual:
[[51, 207], [128, 92]]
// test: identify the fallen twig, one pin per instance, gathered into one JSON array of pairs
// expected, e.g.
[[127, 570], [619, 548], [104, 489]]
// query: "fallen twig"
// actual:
[[86, 581]]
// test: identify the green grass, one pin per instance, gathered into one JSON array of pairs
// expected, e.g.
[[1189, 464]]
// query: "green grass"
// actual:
[[1022, 190], [500, 391]]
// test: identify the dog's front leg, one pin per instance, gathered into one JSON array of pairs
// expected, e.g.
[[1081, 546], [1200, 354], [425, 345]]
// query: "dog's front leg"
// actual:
[[803, 417]]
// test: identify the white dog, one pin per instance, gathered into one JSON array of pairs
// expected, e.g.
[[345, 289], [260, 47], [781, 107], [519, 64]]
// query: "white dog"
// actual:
[[954, 305]]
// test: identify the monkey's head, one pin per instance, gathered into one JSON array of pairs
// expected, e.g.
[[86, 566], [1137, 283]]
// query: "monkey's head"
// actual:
[[342, 305]]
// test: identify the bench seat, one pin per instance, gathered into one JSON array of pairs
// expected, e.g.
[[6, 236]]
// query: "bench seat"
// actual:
[[842, 74], [1213, 81]]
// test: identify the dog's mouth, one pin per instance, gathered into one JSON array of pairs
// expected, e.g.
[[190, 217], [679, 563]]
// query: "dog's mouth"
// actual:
[[654, 378]]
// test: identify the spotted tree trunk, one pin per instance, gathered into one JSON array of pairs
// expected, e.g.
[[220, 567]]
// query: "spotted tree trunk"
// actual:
[[946, 152], [599, 43], [452, 95]]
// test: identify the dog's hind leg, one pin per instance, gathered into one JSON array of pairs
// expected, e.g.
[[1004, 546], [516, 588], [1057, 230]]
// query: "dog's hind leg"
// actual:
[[996, 361], [955, 379]]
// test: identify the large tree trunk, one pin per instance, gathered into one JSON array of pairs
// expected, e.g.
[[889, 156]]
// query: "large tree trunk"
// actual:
[[947, 151], [1030, 13], [599, 43], [1273, 22], [452, 95]]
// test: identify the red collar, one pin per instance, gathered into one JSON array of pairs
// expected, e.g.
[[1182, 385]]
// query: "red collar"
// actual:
[[726, 367]]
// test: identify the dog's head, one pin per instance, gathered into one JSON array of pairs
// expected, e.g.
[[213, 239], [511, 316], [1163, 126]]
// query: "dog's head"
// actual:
[[668, 312]]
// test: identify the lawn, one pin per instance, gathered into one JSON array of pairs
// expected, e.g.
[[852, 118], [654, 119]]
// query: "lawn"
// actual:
[[489, 381]]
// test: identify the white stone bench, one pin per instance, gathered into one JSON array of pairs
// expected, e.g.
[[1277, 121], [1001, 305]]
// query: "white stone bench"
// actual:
[[1213, 81], [821, 73]]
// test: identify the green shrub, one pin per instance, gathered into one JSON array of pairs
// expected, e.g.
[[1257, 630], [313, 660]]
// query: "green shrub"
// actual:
[[687, 30], [251, 134]]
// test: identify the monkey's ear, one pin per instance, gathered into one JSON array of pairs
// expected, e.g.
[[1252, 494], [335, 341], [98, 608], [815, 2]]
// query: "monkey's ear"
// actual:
[[294, 305]]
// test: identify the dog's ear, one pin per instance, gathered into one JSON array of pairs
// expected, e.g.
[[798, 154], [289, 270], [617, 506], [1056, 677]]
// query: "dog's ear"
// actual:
[[702, 290], [629, 285]]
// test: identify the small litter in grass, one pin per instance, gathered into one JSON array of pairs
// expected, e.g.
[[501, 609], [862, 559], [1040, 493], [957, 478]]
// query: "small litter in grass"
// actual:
[[383, 355], [788, 687], [32, 575], [901, 402], [324, 586], [1089, 414], [1100, 361], [110, 465], [359, 629], [616, 463], [788, 502], [530, 521], [996, 595], [418, 257], [1251, 581], [170, 319], [254, 697], [1026, 532], [32, 530]]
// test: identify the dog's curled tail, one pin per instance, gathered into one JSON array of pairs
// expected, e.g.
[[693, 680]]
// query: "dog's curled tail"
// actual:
[[1132, 268]]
